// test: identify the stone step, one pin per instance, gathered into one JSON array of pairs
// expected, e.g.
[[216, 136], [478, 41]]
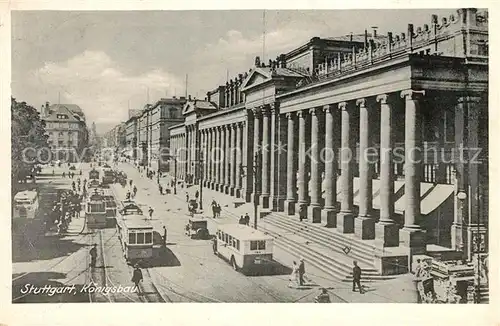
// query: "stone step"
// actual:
[[330, 241], [363, 245], [327, 262]]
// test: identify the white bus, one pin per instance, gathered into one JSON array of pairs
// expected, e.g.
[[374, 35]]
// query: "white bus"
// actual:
[[26, 204], [244, 247], [136, 236]]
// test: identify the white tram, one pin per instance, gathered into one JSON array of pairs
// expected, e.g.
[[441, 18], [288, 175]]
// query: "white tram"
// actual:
[[244, 247], [95, 210], [26, 204], [136, 237]]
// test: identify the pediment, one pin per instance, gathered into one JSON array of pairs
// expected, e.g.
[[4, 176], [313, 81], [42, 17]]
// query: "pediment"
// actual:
[[255, 78]]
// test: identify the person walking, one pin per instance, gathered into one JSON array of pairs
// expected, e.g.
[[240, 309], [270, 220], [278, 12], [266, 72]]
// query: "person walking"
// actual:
[[93, 255], [247, 219], [137, 275], [135, 191], [130, 182], [164, 236], [294, 276], [242, 220], [356, 277], [214, 245], [151, 210], [302, 271], [197, 194], [187, 197], [160, 188]]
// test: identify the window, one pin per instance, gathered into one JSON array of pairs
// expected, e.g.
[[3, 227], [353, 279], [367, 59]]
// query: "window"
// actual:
[[140, 238], [230, 241], [221, 235], [149, 237], [238, 244], [226, 238], [258, 245], [131, 238]]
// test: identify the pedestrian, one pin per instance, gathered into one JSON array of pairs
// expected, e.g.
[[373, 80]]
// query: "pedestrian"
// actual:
[[323, 297], [302, 271], [64, 174], [53, 172], [187, 197], [130, 182], [214, 210], [302, 212], [151, 210], [242, 220], [164, 236], [294, 276], [247, 219], [214, 245], [161, 189], [197, 194], [137, 275], [135, 190], [356, 277], [93, 255]]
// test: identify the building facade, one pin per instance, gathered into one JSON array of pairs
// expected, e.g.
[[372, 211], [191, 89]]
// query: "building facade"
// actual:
[[67, 132], [382, 137]]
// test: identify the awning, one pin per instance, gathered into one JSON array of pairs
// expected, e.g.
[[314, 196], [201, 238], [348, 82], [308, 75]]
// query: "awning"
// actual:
[[431, 195]]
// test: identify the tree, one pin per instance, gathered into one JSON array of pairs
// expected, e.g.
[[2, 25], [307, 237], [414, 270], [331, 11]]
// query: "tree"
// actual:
[[28, 136]]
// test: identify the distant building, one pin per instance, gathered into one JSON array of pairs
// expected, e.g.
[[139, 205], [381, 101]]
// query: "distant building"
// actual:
[[67, 130]]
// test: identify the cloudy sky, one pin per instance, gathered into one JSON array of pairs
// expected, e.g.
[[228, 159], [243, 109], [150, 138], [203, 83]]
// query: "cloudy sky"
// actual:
[[106, 61]]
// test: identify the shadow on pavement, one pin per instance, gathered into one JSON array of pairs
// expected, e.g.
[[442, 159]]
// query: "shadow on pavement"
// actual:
[[42, 248], [273, 268], [24, 289], [162, 257]]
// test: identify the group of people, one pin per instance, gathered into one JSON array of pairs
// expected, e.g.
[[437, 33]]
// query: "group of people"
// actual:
[[216, 209], [244, 220], [297, 275], [67, 206]]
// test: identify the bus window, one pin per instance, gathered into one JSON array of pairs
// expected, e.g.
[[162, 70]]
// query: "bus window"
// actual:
[[131, 238], [253, 245], [238, 244], [230, 241], [221, 235], [261, 245], [140, 238], [226, 238], [149, 237]]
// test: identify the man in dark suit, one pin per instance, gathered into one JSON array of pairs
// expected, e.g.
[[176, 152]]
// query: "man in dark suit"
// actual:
[[356, 277], [302, 271]]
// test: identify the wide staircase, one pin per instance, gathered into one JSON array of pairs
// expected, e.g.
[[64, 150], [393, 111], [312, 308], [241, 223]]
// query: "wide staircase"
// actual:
[[325, 249], [484, 293]]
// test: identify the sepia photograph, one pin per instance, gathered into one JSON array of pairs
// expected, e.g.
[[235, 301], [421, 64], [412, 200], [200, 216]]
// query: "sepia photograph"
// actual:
[[256, 156]]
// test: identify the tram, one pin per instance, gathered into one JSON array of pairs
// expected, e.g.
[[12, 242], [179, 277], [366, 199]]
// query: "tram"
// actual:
[[136, 236], [94, 174], [95, 210], [129, 207], [108, 175], [26, 204]]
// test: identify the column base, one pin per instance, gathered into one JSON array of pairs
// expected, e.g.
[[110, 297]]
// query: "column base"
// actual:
[[314, 213], [231, 191], [248, 197], [345, 222], [237, 192], [216, 187], [364, 227], [265, 201], [329, 216], [226, 190], [255, 198], [386, 235], [457, 237], [278, 204], [414, 239], [290, 207]]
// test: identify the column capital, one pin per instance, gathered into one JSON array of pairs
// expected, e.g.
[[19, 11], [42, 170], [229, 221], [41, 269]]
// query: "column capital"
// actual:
[[328, 108], [233, 126], [290, 115], [266, 110], [343, 106], [256, 111], [383, 98], [315, 111], [361, 102], [274, 107], [302, 114], [411, 94]]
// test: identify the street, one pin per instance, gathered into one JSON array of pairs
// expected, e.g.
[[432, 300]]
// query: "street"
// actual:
[[187, 272]]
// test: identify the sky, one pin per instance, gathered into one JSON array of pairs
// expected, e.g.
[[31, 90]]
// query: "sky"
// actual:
[[108, 62]]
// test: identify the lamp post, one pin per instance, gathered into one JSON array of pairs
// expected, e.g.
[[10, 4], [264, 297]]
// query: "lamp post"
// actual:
[[256, 176], [200, 171]]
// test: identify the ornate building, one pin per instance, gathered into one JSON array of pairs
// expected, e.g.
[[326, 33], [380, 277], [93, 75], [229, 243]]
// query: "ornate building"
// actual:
[[381, 137]]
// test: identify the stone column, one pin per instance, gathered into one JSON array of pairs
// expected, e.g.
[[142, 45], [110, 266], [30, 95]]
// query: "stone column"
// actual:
[[412, 234], [213, 158], [234, 152], [217, 156], [227, 160], [364, 224], [239, 158], [386, 230], [266, 156], [248, 156], [330, 209], [223, 146], [345, 219], [291, 171], [256, 149], [302, 182], [314, 210], [205, 157]]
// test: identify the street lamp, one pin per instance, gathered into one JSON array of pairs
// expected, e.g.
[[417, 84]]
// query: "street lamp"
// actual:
[[256, 175], [200, 171]]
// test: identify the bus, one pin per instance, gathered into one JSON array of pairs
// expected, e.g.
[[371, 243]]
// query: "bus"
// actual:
[[95, 211], [244, 247], [26, 204], [108, 175], [136, 236]]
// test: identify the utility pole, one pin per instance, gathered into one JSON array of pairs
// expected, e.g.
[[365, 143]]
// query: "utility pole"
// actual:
[[200, 167]]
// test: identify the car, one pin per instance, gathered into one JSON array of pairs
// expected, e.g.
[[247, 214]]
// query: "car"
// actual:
[[197, 228]]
